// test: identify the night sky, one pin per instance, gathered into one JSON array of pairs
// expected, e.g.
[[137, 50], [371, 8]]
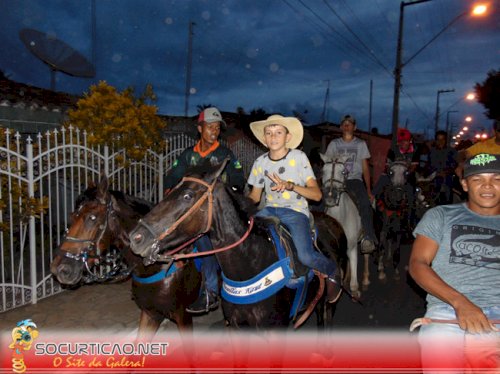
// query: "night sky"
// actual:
[[279, 55]]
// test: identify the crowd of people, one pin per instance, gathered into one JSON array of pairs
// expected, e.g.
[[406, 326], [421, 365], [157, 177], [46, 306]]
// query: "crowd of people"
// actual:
[[456, 252]]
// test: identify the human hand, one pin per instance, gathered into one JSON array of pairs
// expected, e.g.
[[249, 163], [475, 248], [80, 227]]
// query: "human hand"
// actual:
[[472, 319], [280, 184]]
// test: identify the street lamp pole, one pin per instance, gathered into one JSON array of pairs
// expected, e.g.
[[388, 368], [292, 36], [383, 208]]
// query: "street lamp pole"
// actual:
[[436, 118], [398, 69], [477, 11], [448, 120]]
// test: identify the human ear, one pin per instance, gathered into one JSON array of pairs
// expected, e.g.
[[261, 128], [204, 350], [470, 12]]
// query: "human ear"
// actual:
[[288, 137], [464, 184]]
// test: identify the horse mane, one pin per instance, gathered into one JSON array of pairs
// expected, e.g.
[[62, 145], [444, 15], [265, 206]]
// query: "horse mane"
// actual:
[[245, 207], [137, 204]]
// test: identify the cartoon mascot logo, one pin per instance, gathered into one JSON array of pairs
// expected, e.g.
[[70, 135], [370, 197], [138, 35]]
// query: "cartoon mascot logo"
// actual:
[[22, 338]]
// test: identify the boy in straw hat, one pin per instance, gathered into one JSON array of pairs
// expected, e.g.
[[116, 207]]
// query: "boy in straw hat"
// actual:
[[456, 258], [288, 179]]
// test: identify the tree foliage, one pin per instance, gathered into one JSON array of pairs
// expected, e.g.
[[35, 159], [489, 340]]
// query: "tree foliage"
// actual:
[[118, 118], [488, 94]]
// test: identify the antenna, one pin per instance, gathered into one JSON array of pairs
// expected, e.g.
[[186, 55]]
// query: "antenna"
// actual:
[[58, 55]]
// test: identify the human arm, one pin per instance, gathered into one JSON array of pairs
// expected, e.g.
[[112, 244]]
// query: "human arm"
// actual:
[[470, 317], [175, 174], [310, 191], [255, 194], [235, 172]]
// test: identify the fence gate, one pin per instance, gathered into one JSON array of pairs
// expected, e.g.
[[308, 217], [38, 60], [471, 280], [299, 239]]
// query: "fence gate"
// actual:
[[40, 180]]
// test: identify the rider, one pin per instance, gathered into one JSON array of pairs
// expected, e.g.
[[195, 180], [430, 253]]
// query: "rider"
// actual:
[[207, 148], [443, 160], [404, 151], [288, 180], [358, 168]]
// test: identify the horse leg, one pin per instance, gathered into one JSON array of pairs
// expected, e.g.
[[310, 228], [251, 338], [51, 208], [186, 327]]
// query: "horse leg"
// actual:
[[396, 257], [381, 256], [148, 326], [352, 255], [366, 271]]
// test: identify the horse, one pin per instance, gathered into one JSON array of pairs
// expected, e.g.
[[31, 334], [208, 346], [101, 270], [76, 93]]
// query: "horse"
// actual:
[[342, 208], [102, 219], [393, 210], [253, 292]]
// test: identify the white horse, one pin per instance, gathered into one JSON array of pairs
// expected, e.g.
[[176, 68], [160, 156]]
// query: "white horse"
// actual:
[[340, 206]]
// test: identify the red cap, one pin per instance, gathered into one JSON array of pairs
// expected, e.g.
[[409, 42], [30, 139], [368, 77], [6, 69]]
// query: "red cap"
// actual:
[[403, 134]]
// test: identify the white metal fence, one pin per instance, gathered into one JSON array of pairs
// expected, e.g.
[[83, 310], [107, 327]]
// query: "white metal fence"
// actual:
[[40, 180]]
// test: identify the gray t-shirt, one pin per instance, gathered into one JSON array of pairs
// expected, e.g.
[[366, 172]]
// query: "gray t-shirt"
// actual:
[[468, 258], [356, 149], [294, 167]]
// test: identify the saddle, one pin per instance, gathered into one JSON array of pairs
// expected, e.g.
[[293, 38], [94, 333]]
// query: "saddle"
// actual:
[[283, 244]]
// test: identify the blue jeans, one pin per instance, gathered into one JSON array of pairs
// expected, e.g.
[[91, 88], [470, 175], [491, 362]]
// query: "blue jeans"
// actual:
[[357, 191], [448, 346], [299, 227], [209, 264]]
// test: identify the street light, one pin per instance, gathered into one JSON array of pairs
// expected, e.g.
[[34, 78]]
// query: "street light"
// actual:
[[436, 118], [477, 10]]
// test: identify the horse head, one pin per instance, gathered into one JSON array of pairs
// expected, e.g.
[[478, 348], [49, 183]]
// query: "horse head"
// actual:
[[184, 215], [395, 193], [333, 178], [88, 237]]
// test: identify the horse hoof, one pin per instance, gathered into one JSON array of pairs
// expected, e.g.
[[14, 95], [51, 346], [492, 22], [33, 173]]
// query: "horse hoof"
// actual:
[[381, 276]]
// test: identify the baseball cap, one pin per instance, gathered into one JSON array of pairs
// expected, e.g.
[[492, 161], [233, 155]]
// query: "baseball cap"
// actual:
[[403, 134], [210, 115], [348, 118], [482, 163]]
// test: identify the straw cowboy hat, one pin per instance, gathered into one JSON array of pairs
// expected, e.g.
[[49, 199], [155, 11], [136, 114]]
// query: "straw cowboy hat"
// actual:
[[291, 123]]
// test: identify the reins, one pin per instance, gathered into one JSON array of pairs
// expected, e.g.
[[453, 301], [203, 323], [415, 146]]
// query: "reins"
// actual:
[[170, 256], [417, 322]]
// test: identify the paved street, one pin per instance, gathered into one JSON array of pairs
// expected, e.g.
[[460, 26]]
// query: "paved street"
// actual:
[[385, 305]]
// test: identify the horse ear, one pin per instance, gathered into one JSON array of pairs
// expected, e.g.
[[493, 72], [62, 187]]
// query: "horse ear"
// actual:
[[219, 169], [324, 157], [103, 188], [91, 184]]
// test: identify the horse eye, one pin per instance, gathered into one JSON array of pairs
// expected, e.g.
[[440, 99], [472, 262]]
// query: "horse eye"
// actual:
[[92, 217], [187, 196]]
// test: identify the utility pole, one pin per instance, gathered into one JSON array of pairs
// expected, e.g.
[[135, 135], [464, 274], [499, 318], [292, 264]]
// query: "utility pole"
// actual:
[[370, 109], [327, 98], [188, 68], [436, 117]]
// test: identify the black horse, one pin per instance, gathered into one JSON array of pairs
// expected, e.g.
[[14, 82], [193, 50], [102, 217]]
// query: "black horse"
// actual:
[[101, 221], [202, 203], [393, 210]]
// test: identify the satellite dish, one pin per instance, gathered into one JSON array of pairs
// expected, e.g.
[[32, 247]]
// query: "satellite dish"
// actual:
[[58, 55]]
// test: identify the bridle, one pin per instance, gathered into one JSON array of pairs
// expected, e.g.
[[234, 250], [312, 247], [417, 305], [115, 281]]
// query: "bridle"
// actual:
[[92, 245], [333, 190], [395, 196], [171, 255]]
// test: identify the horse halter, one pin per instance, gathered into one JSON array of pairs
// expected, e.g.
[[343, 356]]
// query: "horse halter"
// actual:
[[334, 192], [93, 243], [395, 196], [208, 194]]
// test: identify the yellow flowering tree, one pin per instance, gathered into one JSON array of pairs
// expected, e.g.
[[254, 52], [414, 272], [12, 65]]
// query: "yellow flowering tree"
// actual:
[[119, 119]]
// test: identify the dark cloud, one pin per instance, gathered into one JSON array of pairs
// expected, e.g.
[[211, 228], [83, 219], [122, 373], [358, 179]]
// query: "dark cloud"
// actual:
[[271, 54]]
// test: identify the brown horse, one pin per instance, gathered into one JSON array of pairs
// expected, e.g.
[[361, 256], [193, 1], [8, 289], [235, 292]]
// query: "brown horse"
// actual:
[[102, 220], [254, 291]]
